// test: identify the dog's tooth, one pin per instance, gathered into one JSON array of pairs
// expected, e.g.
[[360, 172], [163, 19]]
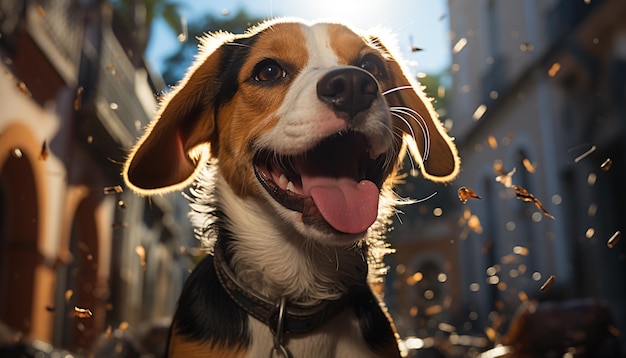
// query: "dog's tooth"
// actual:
[[282, 181], [291, 187]]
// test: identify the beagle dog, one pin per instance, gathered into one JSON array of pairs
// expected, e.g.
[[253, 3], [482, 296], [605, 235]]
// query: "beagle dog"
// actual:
[[289, 138]]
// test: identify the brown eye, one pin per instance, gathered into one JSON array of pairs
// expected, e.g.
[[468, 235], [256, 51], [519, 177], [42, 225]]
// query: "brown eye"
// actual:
[[372, 65], [268, 70]]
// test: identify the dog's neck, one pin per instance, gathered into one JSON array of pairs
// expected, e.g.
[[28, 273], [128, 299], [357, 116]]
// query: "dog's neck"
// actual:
[[266, 254]]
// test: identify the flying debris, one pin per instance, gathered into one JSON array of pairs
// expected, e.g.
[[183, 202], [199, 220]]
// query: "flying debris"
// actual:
[[524, 195], [466, 193], [113, 189], [82, 312], [44, 153], [548, 283], [606, 165], [614, 239], [505, 178], [585, 154]]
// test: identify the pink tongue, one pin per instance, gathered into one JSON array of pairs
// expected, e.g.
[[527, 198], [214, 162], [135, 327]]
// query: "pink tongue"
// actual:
[[346, 205]]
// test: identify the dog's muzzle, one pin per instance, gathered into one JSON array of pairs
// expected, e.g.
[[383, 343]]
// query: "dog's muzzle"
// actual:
[[348, 91], [335, 185]]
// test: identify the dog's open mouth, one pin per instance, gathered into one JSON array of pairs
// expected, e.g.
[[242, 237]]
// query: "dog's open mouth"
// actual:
[[336, 182]]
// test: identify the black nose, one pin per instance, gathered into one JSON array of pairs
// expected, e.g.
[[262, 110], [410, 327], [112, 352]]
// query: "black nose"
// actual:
[[348, 90]]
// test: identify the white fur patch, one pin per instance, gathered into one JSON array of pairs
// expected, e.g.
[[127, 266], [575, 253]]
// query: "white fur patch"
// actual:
[[293, 264], [304, 120]]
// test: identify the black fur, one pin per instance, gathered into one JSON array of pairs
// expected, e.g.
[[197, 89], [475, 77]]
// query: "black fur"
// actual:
[[233, 57], [375, 326], [206, 313]]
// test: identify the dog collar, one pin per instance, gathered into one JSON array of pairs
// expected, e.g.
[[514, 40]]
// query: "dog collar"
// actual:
[[278, 314]]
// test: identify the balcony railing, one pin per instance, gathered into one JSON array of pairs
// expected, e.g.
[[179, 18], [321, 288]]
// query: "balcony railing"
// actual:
[[119, 106], [56, 26]]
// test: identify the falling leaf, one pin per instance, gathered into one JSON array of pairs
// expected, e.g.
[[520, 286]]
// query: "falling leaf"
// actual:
[[548, 283], [113, 189], [521, 250], [474, 224], [433, 310], [523, 297], [528, 165], [459, 45], [498, 168], [554, 69], [614, 239], [524, 195], [490, 333], [479, 112], [78, 98], [506, 179], [24, 89], [82, 312], [68, 295], [606, 165], [507, 259], [43, 155], [493, 142], [41, 11], [416, 49], [141, 252], [123, 326], [466, 193]]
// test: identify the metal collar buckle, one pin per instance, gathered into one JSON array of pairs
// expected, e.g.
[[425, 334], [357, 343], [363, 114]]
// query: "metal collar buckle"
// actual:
[[279, 350]]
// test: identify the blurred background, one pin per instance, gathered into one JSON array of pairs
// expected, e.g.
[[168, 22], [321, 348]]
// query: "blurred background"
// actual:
[[534, 91]]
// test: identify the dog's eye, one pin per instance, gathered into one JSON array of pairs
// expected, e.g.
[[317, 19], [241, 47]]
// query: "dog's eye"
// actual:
[[372, 65], [268, 70]]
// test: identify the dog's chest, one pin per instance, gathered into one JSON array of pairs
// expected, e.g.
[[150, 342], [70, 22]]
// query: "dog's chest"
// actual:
[[340, 337]]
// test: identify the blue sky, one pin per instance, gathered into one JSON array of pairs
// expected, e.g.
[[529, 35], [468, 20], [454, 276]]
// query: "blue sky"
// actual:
[[421, 23]]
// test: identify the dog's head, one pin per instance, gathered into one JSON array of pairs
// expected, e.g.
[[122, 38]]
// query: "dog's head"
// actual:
[[313, 118]]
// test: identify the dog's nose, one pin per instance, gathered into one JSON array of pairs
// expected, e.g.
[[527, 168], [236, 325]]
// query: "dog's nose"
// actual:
[[348, 90]]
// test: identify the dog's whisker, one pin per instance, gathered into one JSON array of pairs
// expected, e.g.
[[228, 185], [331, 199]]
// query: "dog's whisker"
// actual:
[[397, 213], [394, 89], [417, 118], [413, 166]]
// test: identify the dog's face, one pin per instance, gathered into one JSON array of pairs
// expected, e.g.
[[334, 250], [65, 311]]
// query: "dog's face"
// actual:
[[312, 119]]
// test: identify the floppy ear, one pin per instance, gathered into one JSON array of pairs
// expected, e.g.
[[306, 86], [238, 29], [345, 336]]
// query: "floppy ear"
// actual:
[[423, 134], [178, 138]]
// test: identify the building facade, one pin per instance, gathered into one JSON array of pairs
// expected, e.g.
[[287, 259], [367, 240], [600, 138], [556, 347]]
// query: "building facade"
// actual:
[[74, 98], [539, 98]]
